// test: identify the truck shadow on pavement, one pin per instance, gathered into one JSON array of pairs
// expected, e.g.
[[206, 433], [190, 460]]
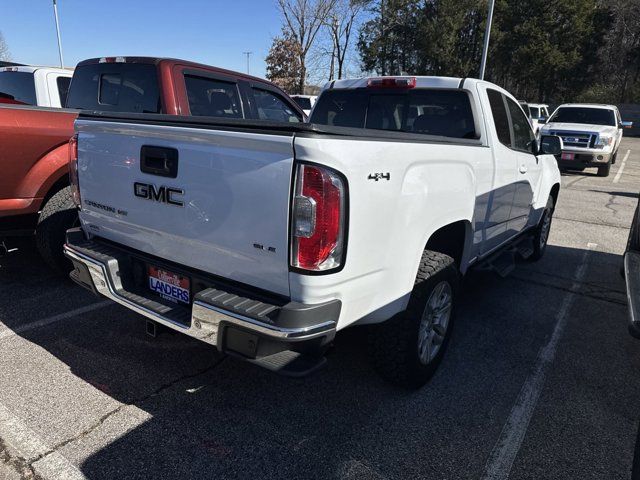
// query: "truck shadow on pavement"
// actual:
[[187, 412]]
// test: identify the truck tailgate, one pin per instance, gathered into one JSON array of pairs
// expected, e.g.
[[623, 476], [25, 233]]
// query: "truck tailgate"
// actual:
[[225, 211]]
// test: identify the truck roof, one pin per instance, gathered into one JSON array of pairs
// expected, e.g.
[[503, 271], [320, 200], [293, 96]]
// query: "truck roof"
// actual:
[[421, 81], [602, 106], [171, 62], [33, 68]]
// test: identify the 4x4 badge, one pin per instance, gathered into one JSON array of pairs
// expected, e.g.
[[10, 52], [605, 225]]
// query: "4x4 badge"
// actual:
[[378, 176]]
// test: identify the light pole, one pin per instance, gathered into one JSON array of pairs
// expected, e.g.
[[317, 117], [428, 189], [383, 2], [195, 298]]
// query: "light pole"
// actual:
[[55, 14], [487, 35], [248, 54]]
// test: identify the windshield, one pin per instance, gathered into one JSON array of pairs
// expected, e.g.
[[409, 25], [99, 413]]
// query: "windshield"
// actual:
[[18, 87], [535, 112], [589, 116], [425, 111], [304, 103]]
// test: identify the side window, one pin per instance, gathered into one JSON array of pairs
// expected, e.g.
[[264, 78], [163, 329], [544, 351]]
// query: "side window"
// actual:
[[63, 89], [500, 117], [212, 98], [523, 137], [272, 107]]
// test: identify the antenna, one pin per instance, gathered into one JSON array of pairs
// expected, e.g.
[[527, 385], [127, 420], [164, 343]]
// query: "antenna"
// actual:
[[248, 54]]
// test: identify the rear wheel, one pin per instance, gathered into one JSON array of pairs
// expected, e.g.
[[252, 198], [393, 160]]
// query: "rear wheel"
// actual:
[[604, 170], [58, 215], [542, 231], [407, 349]]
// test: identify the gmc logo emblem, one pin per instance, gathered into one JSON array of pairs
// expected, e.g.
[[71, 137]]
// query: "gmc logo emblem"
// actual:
[[162, 194]]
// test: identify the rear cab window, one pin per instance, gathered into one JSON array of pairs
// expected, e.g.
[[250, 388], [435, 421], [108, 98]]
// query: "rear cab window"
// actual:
[[18, 87], [428, 111], [120, 87]]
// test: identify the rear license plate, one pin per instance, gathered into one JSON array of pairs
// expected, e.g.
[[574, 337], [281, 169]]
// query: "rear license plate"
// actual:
[[568, 156], [169, 285]]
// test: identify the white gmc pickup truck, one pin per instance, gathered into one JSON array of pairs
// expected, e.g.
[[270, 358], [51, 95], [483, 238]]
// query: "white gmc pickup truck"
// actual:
[[265, 239]]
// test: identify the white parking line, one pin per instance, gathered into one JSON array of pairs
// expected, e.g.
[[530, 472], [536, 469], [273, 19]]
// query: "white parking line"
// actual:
[[504, 452], [19, 437], [616, 179], [56, 318]]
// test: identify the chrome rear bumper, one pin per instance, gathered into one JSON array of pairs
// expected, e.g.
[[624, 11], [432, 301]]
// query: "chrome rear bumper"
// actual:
[[213, 312]]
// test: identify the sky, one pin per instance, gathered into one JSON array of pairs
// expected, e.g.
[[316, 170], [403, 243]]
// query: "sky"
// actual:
[[213, 32]]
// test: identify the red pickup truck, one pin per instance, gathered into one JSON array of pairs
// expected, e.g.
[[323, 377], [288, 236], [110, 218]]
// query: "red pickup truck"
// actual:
[[35, 197]]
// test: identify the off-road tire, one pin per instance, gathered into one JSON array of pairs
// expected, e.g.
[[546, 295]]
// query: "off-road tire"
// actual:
[[539, 247], [57, 216], [393, 345], [604, 170]]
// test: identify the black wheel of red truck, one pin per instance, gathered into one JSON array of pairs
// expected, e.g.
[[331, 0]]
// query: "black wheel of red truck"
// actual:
[[542, 231], [407, 349], [604, 170], [57, 216]]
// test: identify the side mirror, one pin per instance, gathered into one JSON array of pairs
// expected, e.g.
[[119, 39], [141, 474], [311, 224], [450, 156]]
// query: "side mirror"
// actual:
[[550, 145], [626, 124]]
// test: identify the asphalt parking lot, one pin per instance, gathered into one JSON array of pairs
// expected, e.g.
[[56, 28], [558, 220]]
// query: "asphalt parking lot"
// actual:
[[541, 379]]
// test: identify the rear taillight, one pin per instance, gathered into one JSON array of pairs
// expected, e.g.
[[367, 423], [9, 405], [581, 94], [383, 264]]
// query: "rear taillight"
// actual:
[[318, 219], [73, 170]]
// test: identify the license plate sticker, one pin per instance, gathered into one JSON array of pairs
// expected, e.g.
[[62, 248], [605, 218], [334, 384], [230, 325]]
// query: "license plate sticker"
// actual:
[[169, 285], [568, 156]]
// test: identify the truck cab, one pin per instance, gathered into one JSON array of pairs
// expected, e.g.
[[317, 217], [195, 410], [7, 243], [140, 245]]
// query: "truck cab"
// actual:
[[31, 85]]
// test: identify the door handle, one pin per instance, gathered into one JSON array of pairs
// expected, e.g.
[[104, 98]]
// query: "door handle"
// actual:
[[523, 168]]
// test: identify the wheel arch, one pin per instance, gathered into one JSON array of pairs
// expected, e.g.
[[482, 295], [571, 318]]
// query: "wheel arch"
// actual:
[[59, 184], [453, 239], [555, 191], [47, 176]]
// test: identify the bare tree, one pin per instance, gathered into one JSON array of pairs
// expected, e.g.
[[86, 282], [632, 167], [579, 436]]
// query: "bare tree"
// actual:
[[303, 19], [340, 24], [4, 49]]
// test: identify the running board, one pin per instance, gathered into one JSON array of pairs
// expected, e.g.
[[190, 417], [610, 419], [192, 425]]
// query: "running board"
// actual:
[[503, 262]]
